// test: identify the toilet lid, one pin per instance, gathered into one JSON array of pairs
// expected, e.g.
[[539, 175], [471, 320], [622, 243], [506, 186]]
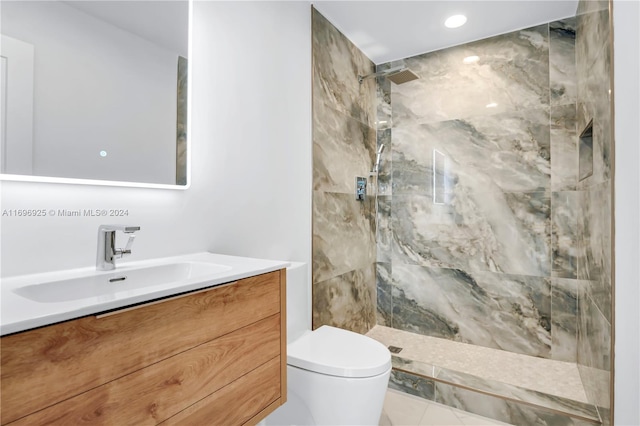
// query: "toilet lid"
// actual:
[[336, 352]]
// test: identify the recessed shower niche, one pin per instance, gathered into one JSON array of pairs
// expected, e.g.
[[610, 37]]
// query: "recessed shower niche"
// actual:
[[585, 152]]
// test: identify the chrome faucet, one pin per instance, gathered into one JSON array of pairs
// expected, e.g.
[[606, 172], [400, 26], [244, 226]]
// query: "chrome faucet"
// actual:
[[107, 251]]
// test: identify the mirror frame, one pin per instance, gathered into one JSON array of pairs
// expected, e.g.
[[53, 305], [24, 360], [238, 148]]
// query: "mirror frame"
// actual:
[[98, 182]]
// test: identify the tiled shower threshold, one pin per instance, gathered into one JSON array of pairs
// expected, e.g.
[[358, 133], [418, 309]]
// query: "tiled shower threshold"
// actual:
[[536, 383]]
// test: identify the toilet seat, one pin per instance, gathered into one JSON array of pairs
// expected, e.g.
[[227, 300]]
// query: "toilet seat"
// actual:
[[336, 352]]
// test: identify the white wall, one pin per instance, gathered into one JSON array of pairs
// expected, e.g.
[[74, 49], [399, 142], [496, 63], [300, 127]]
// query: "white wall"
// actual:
[[251, 169], [626, 15], [254, 93]]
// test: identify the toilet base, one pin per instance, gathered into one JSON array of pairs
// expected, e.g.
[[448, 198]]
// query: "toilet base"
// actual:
[[317, 399]]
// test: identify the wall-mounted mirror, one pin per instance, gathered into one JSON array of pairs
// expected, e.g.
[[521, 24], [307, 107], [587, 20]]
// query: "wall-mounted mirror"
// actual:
[[95, 90]]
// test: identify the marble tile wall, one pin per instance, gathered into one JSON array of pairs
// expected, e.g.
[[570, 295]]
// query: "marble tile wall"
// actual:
[[477, 238], [344, 146], [594, 204], [512, 250]]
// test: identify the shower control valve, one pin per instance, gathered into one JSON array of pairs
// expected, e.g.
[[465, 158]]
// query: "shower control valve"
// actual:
[[361, 188]]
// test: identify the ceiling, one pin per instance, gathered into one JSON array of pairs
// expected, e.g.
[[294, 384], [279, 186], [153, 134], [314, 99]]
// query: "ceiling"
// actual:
[[391, 30]]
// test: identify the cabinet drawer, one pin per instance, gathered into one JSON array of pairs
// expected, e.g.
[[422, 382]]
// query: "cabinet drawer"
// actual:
[[160, 391], [47, 365], [236, 403]]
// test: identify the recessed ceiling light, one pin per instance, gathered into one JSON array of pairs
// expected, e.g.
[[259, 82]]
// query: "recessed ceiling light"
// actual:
[[471, 59], [455, 21], [492, 105]]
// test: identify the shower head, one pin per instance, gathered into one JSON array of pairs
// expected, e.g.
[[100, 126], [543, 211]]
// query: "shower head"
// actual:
[[398, 75]]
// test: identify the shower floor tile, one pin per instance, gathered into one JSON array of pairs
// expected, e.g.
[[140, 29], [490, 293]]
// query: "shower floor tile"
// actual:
[[546, 376]]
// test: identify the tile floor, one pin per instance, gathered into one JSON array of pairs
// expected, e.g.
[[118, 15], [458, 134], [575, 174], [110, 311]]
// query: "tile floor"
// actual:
[[401, 409]]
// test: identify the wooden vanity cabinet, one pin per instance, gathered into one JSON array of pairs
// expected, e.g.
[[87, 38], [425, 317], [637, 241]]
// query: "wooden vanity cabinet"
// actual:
[[210, 357]]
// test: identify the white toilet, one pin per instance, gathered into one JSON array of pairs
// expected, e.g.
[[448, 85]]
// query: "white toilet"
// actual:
[[334, 376]]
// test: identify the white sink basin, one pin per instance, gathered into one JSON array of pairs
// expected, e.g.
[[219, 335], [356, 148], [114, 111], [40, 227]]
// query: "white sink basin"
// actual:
[[29, 301], [117, 281]]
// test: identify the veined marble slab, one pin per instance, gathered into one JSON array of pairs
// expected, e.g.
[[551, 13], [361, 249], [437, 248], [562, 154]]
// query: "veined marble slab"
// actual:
[[509, 151], [562, 63], [343, 148], [475, 230], [347, 301], [564, 319], [593, 55], [508, 312], [512, 72], [336, 65], [594, 235], [343, 234], [564, 233], [564, 148]]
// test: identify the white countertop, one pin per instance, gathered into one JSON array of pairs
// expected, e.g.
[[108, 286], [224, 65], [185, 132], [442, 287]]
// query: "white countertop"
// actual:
[[20, 313]]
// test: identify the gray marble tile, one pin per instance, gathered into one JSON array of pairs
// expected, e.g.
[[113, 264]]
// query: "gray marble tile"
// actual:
[[508, 152], [500, 311], [383, 98], [586, 6], [500, 409], [562, 62], [410, 315], [512, 71], [594, 335], [475, 231], [594, 352], [383, 287], [384, 233], [564, 148], [343, 234], [594, 241], [605, 415], [343, 148], [593, 58], [336, 66], [517, 394], [412, 384], [385, 175], [592, 34], [565, 208], [347, 301], [564, 317], [597, 386]]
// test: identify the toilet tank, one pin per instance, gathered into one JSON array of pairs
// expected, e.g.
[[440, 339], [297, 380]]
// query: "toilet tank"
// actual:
[[298, 300]]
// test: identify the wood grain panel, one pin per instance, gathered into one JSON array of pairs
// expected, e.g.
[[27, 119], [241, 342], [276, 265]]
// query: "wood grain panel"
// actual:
[[283, 338], [236, 403], [44, 366], [161, 390]]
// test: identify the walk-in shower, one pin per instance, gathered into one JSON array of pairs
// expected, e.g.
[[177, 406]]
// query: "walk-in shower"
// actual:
[[493, 256], [489, 261]]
